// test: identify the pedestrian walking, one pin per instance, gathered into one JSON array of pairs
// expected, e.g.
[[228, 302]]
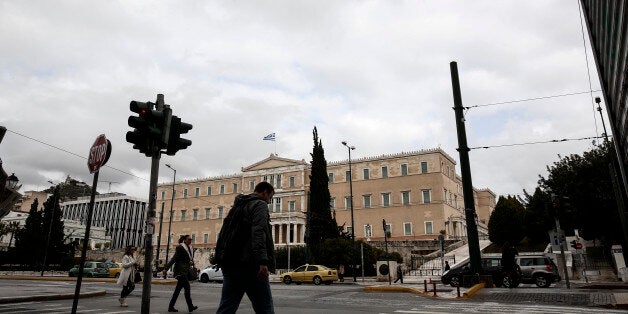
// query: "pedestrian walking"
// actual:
[[127, 274], [509, 266], [399, 274], [245, 252], [447, 266], [183, 260], [341, 272]]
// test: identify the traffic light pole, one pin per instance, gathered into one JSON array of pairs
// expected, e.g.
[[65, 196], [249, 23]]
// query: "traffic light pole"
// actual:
[[562, 250]]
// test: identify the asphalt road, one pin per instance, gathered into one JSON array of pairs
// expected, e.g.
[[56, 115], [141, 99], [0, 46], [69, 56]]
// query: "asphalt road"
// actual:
[[288, 299]]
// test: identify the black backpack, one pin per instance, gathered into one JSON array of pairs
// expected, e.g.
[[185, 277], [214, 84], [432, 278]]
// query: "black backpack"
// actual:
[[234, 235]]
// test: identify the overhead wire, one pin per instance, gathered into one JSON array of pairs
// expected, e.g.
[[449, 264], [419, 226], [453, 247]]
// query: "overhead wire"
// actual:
[[586, 57], [538, 142]]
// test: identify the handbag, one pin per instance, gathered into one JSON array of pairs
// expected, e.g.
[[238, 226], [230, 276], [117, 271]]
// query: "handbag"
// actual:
[[138, 277], [192, 273]]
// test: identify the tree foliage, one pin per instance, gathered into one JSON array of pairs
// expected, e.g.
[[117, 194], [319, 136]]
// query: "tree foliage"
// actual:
[[321, 225], [506, 221], [537, 218], [584, 194], [28, 239]]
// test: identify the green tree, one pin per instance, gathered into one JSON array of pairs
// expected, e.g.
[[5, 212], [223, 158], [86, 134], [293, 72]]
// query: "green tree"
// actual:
[[584, 194], [28, 240], [505, 223], [537, 219], [52, 215], [321, 225]]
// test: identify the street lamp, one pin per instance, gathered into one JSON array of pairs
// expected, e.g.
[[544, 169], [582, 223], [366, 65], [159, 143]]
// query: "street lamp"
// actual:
[[350, 148], [174, 178], [12, 181]]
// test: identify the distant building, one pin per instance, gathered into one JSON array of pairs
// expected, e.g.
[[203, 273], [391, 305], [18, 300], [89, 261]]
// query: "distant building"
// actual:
[[122, 217], [418, 193]]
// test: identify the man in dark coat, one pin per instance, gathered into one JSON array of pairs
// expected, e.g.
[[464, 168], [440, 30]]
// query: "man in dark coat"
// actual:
[[245, 251], [183, 261]]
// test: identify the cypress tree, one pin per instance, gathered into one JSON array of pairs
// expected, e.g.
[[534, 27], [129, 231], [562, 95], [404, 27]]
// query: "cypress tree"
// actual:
[[29, 241], [321, 224], [52, 214]]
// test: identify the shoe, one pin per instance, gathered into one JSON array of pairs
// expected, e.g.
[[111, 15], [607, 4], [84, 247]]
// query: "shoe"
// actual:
[[121, 300], [172, 309], [194, 307], [122, 303]]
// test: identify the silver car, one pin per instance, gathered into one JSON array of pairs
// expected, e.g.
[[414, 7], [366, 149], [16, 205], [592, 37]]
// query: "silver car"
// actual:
[[211, 273], [538, 269]]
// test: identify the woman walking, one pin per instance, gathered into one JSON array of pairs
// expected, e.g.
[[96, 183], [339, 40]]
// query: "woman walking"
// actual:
[[183, 261], [127, 275]]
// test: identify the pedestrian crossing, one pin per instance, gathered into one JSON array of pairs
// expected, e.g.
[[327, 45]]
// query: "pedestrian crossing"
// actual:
[[493, 307], [55, 307]]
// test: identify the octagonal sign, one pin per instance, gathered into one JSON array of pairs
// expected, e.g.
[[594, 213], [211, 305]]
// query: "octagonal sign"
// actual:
[[99, 153]]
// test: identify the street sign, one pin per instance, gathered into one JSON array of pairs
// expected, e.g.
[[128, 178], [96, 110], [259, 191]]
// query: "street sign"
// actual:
[[99, 153]]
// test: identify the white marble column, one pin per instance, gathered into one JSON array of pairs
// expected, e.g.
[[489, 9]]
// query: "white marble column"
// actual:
[[272, 230], [280, 234]]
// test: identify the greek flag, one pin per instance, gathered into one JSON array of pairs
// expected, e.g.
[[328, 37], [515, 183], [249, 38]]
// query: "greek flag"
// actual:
[[269, 137]]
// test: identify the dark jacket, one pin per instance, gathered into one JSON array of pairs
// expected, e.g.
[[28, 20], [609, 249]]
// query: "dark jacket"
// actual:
[[245, 238], [181, 261]]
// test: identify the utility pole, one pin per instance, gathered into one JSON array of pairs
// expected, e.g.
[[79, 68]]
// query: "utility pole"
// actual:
[[555, 207], [465, 168]]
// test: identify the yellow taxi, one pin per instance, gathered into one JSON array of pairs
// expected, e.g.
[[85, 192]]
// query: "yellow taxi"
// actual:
[[316, 274], [114, 269]]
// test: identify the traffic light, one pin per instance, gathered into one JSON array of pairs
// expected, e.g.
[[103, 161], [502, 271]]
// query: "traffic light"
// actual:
[[175, 142], [150, 127]]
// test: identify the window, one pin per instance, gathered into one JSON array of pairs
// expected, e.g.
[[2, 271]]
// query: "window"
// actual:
[[183, 215], [423, 166], [207, 213], [205, 238], [185, 193], [347, 202], [209, 190], [368, 231], [385, 199], [331, 177], [195, 214], [272, 180], [367, 201], [332, 203], [404, 169], [367, 174], [197, 192], [389, 229], [384, 171], [349, 230], [193, 238], [252, 185], [405, 197], [347, 175], [428, 227], [163, 195], [291, 205], [235, 188], [265, 178], [292, 181], [276, 203], [407, 228], [222, 189], [426, 196], [174, 193], [220, 210], [445, 196], [442, 167], [278, 181]]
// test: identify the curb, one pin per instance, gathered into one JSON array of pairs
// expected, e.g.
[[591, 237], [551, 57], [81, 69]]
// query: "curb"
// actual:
[[401, 289], [50, 297], [110, 280], [473, 290]]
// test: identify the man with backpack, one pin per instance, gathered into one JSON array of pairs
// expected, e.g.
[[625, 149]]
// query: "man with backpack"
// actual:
[[245, 252]]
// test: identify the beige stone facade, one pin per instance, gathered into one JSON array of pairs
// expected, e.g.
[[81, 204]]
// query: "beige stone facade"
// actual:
[[418, 193]]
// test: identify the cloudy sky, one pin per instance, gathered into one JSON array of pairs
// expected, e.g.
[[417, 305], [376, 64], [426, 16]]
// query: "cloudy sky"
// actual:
[[373, 73]]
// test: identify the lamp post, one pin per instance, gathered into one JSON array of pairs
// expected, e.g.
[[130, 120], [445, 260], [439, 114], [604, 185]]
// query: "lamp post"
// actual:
[[174, 178], [12, 181], [350, 148]]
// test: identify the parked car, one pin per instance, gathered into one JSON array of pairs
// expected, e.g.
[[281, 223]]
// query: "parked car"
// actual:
[[114, 269], [490, 266], [316, 274], [211, 273], [538, 269], [91, 269]]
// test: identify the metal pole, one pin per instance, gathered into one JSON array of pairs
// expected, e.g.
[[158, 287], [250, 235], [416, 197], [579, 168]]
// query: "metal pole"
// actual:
[[387, 258], [54, 207], [161, 221], [288, 239], [465, 168], [174, 179], [150, 230], [562, 251], [88, 225], [350, 148], [362, 258]]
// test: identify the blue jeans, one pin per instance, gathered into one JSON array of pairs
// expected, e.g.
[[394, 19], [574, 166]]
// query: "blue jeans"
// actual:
[[182, 282], [236, 283]]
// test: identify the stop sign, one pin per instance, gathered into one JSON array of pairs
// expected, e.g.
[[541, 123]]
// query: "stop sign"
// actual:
[[579, 246], [99, 153]]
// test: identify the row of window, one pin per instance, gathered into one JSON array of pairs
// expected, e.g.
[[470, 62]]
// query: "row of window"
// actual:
[[273, 207], [386, 199], [366, 172], [407, 229], [273, 179]]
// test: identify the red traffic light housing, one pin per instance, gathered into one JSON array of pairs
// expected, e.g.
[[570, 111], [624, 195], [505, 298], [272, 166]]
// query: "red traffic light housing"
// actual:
[[175, 142]]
